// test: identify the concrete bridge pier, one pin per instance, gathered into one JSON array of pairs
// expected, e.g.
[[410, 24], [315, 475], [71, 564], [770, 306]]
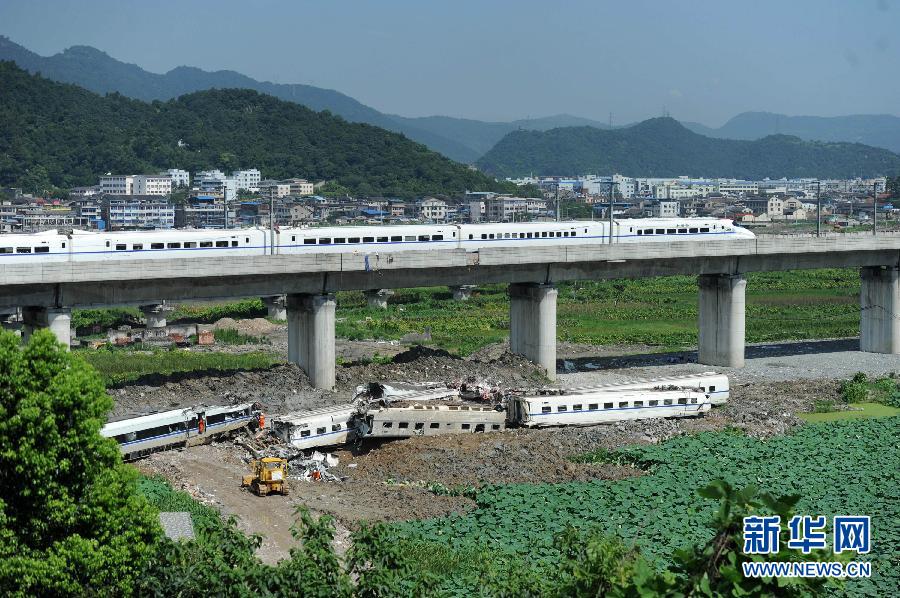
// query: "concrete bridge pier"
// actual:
[[155, 314], [311, 336], [879, 302], [532, 324], [57, 319], [378, 298], [722, 320], [276, 307]]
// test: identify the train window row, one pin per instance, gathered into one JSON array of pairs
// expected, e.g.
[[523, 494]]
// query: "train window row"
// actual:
[[354, 240], [536, 235], [672, 231], [621, 405], [437, 425], [322, 430], [42, 249]]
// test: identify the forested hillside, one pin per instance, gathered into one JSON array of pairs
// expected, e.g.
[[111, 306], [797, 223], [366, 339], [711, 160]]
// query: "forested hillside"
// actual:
[[663, 147], [61, 135]]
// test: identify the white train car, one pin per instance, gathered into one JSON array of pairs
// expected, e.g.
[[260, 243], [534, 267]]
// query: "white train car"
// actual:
[[78, 246], [432, 420], [605, 406], [713, 384], [140, 436], [328, 426]]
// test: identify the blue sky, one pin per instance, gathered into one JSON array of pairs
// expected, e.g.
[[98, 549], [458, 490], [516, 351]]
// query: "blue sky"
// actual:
[[702, 60]]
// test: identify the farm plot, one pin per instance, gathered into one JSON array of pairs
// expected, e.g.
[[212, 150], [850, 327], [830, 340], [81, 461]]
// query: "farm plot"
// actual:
[[830, 465]]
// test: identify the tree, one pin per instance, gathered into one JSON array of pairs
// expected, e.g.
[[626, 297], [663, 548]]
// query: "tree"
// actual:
[[71, 520]]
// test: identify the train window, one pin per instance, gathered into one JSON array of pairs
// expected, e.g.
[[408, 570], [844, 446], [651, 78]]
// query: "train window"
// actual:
[[576, 407], [309, 241], [325, 241], [670, 231], [174, 245], [479, 427], [382, 239], [335, 427], [692, 230], [660, 231], [420, 426], [704, 229], [424, 238], [667, 402], [466, 426], [437, 237], [387, 425], [484, 235], [6, 249], [397, 238], [654, 403], [491, 236], [403, 425], [42, 250], [246, 240], [682, 231], [409, 238], [607, 405], [135, 247], [221, 243], [585, 231], [368, 239], [340, 240], [712, 389], [434, 425], [119, 247], [648, 231], [545, 409], [561, 408], [162, 245], [558, 234], [293, 238], [234, 243], [682, 401], [623, 404], [495, 426], [639, 403], [693, 400], [107, 243], [353, 240], [63, 246], [544, 234], [202, 244], [573, 234], [592, 406], [528, 235], [640, 232], [304, 433], [471, 236], [190, 244]]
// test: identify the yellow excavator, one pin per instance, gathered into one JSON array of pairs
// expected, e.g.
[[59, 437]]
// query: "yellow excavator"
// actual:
[[269, 476]]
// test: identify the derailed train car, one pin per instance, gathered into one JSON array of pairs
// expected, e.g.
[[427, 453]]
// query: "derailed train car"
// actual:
[[417, 419]]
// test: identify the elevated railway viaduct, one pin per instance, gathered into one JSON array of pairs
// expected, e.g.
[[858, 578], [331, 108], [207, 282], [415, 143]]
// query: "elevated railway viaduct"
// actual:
[[48, 292]]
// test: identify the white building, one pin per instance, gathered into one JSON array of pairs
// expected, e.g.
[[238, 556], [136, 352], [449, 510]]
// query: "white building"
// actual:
[[117, 184], [247, 180], [665, 209], [152, 184], [734, 187], [431, 209], [276, 189], [180, 178], [210, 175], [299, 187]]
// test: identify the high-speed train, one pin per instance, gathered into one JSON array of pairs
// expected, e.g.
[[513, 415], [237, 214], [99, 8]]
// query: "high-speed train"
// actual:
[[52, 246]]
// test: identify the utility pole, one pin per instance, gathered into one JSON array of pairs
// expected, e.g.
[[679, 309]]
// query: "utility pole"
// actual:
[[225, 205], [875, 208], [557, 202], [818, 210], [272, 223], [611, 202]]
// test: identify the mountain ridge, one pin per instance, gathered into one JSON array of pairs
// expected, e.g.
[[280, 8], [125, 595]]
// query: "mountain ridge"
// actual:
[[663, 147]]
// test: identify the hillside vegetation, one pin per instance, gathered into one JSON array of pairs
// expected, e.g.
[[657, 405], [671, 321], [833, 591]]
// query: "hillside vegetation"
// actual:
[[54, 134], [663, 147]]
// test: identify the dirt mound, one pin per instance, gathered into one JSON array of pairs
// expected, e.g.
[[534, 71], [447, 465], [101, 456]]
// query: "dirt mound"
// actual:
[[418, 352], [253, 326]]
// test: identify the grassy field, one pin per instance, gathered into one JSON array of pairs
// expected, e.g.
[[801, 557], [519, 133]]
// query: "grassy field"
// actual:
[[118, 366], [860, 411], [660, 311]]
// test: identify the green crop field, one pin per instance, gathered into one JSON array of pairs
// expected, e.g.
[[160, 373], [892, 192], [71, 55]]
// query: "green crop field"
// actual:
[[832, 466], [656, 311]]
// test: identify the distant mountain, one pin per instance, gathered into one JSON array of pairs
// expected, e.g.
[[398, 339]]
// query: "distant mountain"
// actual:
[[62, 135], [463, 140], [880, 130], [663, 147]]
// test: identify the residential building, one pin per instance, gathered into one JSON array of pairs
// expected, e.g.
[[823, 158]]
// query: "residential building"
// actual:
[[432, 209], [506, 209], [180, 178], [299, 187], [247, 180], [152, 184], [276, 189], [117, 184], [210, 175], [665, 209], [138, 211], [735, 188]]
